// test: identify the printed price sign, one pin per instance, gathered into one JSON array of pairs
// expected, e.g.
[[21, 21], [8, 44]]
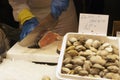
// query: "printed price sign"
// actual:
[[93, 24]]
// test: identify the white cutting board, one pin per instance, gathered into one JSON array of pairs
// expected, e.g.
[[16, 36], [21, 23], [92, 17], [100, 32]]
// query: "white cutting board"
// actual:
[[46, 54]]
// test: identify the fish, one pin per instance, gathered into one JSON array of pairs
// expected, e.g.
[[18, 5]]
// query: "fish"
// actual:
[[32, 39]]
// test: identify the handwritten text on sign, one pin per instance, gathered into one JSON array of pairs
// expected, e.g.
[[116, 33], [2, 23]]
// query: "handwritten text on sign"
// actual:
[[93, 23]]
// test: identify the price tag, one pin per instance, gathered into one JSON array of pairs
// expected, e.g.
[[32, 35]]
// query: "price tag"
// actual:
[[93, 24]]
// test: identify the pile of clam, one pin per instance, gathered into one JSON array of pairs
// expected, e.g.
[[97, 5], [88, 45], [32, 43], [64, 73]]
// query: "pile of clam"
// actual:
[[92, 58]]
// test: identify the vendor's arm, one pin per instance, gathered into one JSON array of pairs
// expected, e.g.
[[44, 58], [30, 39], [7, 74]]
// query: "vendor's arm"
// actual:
[[58, 6], [24, 16], [17, 6]]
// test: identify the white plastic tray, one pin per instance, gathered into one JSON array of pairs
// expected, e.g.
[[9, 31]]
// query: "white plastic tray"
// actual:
[[111, 40]]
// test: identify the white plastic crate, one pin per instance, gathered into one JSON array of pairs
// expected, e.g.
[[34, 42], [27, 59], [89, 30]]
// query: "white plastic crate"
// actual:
[[112, 40]]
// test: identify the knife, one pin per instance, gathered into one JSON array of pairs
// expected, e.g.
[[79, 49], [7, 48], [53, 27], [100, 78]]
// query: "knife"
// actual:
[[48, 23]]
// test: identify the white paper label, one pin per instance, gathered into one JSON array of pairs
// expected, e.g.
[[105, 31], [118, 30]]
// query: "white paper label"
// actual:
[[118, 34], [93, 24]]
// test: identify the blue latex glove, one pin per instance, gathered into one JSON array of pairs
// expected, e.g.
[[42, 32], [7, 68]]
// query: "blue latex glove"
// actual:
[[28, 26], [58, 6]]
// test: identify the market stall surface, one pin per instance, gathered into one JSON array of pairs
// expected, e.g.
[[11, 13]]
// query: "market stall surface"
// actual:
[[25, 70]]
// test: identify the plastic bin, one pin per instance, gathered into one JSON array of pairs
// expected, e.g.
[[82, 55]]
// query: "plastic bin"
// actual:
[[112, 40]]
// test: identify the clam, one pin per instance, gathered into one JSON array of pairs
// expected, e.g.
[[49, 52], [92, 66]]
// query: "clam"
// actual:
[[46, 78], [113, 68], [67, 60], [65, 70], [88, 43], [83, 72], [77, 69], [72, 39], [96, 44], [98, 66]]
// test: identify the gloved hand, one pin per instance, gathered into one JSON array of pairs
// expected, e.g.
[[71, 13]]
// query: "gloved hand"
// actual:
[[28, 26], [58, 6], [28, 22]]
